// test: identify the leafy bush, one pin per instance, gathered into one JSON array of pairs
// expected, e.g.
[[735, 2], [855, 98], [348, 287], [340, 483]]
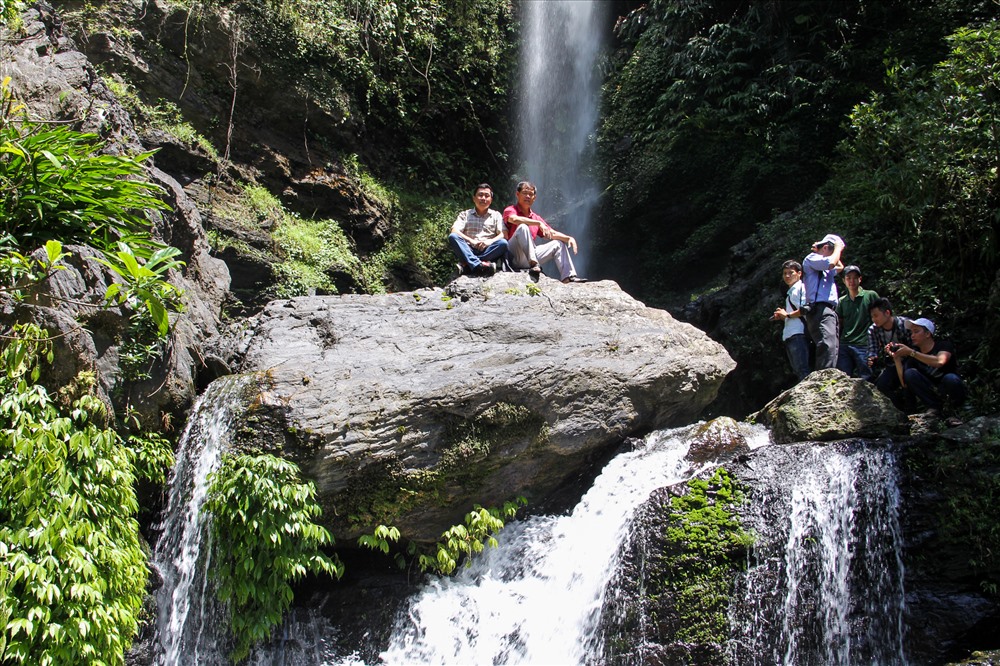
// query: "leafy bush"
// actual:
[[264, 539], [55, 183], [465, 540], [72, 571]]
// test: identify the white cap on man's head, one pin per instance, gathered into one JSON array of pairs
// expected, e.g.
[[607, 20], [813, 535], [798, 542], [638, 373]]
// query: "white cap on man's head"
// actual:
[[831, 238], [922, 322]]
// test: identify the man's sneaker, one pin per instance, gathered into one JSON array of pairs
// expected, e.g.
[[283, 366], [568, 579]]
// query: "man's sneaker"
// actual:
[[574, 278], [534, 271], [486, 268], [460, 267]]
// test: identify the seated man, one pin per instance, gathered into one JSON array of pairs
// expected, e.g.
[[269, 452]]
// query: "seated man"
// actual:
[[930, 367], [886, 331], [477, 237], [524, 225]]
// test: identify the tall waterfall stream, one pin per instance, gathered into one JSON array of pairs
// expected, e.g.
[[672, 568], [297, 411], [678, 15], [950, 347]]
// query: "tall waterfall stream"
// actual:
[[188, 622], [558, 111], [823, 586]]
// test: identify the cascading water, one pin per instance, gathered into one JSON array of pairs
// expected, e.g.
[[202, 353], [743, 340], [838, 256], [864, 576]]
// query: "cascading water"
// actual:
[[825, 583], [536, 599], [559, 99], [189, 627]]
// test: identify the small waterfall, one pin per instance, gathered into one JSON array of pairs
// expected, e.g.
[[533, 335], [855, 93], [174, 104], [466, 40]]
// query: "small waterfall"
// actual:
[[560, 91], [825, 583], [537, 598], [188, 622]]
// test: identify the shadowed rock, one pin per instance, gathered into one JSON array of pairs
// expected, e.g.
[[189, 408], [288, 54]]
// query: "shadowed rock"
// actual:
[[829, 405]]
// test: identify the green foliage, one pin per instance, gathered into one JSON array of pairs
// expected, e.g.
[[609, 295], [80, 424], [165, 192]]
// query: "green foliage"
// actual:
[[56, 183], [311, 248], [380, 539], [718, 114], [10, 14], [264, 538], [164, 115], [72, 571], [460, 541], [144, 285], [705, 545], [964, 538]]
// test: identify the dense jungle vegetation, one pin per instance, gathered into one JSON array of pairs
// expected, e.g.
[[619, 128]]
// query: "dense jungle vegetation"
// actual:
[[735, 134], [760, 125]]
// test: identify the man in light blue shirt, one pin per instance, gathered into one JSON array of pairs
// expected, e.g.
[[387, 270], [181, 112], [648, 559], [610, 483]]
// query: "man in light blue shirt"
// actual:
[[820, 269]]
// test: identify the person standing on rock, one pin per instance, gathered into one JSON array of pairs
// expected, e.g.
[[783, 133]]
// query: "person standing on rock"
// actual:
[[821, 267], [524, 226], [477, 236], [853, 308], [794, 333]]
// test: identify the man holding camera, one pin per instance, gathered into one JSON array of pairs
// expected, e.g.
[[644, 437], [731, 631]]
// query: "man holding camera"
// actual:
[[820, 269]]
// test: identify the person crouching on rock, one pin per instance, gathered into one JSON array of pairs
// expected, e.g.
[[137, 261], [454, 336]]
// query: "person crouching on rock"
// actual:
[[930, 368], [477, 236]]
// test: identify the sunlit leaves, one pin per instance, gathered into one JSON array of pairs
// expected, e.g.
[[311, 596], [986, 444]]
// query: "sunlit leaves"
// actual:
[[462, 541], [264, 539], [56, 183], [72, 572]]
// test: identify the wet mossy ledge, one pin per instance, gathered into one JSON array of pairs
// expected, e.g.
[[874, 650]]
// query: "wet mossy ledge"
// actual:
[[674, 586], [410, 408]]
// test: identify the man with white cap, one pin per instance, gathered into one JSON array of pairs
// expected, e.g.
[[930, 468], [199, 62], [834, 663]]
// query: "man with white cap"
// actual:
[[930, 367], [820, 268]]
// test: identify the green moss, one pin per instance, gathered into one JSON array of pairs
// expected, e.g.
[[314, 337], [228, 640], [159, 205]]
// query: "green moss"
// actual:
[[705, 545], [384, 490]]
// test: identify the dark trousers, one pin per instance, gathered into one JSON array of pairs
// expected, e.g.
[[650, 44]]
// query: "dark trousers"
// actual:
[[824, 329]]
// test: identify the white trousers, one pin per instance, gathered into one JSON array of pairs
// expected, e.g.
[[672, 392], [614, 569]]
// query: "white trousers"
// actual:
[[522, 251]]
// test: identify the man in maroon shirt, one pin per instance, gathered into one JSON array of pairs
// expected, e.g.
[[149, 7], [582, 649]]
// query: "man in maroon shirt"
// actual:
[[524, 226]]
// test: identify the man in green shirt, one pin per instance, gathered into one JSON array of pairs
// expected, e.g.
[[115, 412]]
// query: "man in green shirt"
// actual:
[[853, 308]]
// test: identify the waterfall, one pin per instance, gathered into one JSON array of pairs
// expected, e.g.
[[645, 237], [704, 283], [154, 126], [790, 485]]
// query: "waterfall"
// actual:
[[558, 111], [536, 599], [189, 629], [825, 582]]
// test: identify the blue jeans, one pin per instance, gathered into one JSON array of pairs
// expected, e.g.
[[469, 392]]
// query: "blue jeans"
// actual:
[[950, 388], [797, 349], [851, 358], [472, 258]]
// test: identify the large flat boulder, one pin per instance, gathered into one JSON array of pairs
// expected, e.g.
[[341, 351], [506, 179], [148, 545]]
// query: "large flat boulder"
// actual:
[[409, 408]]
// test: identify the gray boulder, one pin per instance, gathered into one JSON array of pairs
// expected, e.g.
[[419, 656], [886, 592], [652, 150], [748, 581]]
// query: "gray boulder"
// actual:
[[829, 405], [409, 408]]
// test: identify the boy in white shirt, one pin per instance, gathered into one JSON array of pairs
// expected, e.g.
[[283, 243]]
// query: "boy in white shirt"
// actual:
[[794, 333]]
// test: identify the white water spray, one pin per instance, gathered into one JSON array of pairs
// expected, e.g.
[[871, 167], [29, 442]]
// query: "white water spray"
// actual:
[[826, 581], [189, 629], [537, 598], [558, 113]]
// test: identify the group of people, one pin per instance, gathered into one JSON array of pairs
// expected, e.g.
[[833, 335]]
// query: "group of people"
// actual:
[[858, 333], [485, 241]]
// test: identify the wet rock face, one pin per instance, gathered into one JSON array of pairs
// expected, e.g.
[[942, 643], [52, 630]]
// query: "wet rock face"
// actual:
[[474, 397], [828, 405], [718, 440]]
